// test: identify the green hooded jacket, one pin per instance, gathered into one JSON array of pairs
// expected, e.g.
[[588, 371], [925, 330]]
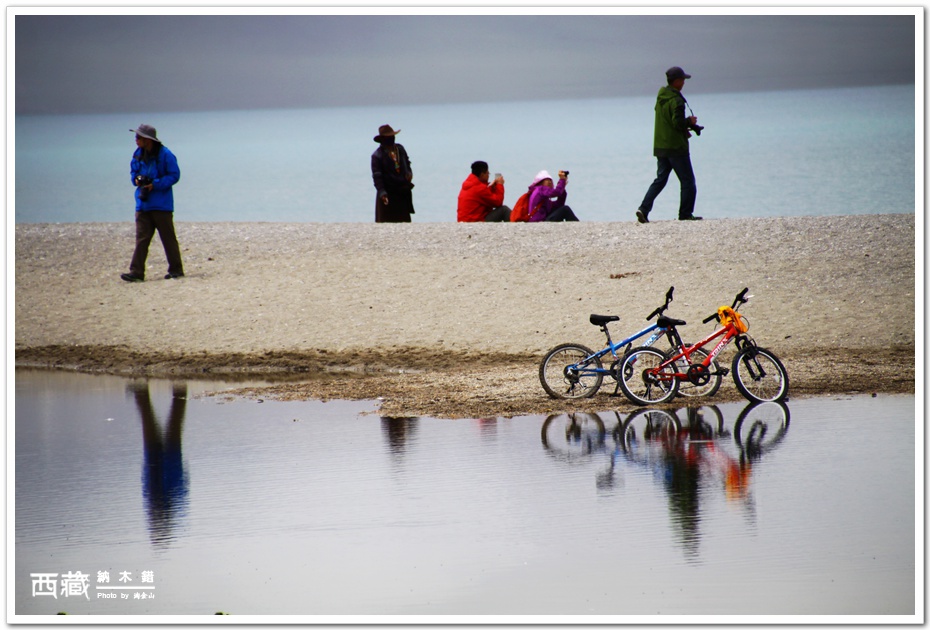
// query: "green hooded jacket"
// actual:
[[671, 130]]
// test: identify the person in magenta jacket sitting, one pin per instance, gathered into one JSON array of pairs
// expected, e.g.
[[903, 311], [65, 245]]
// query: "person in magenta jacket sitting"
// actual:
[[548, 203]]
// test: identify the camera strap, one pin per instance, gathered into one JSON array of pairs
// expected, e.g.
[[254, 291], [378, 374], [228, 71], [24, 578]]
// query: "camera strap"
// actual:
[[688, 105]]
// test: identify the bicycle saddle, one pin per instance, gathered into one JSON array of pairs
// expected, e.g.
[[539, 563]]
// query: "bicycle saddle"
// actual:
[[668, 322], [601, 320]]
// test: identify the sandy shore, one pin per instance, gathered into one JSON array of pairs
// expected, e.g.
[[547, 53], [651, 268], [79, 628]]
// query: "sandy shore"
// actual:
[[450, 319]]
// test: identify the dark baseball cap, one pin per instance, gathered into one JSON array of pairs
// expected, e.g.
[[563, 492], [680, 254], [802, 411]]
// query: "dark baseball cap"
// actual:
[[676, 72]]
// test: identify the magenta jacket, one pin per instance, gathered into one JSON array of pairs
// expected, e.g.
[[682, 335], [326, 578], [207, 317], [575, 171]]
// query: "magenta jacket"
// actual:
[[547, 199]]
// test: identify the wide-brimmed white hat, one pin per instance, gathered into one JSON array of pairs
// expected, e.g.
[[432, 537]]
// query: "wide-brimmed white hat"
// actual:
[[541, 175]]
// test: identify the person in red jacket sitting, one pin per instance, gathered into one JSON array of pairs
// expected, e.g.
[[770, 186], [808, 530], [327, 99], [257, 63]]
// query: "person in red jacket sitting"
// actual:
[[480, 201]]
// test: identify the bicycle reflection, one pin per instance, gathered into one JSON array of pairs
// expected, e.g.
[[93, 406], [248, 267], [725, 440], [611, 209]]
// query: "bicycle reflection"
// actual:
[[165, 481], [688, 451]]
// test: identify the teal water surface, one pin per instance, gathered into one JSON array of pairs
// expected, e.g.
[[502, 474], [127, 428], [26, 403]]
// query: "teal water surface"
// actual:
[[806, 152]]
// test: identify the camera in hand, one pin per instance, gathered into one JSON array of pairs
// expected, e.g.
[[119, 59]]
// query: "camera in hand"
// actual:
[[141, 182], [696, 128]]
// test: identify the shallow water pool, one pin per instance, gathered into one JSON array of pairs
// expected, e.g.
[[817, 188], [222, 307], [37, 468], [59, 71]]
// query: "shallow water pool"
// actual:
[[141, 497]]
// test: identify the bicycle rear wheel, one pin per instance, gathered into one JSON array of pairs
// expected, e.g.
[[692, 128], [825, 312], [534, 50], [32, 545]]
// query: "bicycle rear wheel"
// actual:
[[759, 375], [645, 427], [647, 384], [569, 371], [573, 437]]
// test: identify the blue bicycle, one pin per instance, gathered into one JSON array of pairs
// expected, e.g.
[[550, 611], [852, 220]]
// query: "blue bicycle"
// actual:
[[572, 370]]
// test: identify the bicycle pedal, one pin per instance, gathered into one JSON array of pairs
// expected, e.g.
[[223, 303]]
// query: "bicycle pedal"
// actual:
[[722, 372]]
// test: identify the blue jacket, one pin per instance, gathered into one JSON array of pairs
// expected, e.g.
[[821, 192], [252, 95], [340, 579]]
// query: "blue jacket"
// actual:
[[164, 172]]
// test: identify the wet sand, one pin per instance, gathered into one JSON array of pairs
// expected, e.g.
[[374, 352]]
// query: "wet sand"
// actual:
[[451, 320]]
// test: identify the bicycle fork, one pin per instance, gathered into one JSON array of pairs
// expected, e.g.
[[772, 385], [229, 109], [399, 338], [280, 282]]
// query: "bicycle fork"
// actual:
[[753, 367]]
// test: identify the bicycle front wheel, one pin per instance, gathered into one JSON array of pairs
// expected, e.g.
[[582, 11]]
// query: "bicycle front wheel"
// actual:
[[570, 371], [649, 383], [759, 375], [760, 427], [707, 381]]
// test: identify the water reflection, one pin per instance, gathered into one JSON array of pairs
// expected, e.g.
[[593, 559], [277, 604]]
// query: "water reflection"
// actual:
[[413, 516], [688, 452], [572, 438], [760, 428], [165, 481], [398, 432]]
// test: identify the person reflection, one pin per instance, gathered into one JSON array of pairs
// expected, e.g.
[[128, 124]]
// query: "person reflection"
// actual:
[[683, 485], [398, 431], [164, 479], [488, 427]]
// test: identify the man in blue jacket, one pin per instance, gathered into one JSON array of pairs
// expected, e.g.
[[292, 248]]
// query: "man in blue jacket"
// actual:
[[153, 171]]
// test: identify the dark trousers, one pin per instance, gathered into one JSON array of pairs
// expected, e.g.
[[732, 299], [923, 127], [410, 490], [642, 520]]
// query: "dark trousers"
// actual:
[[146, 224], [562, 213], [498, 215], [681, 164]]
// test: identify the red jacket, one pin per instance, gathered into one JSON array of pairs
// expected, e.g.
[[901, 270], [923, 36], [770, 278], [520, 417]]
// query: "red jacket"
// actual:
[[477, 199]]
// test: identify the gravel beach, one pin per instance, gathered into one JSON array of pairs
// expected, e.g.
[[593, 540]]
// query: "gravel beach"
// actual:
[[451, 320]]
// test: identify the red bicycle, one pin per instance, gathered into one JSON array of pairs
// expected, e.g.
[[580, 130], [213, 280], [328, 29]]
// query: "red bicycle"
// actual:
[[758, 374]]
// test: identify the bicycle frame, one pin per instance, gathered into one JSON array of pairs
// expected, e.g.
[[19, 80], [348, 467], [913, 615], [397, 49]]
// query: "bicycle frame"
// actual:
[[729, 333], [582, 366]]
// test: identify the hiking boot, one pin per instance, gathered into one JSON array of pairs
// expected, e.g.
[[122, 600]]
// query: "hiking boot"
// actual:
[[128, 277], [172, 276], [641, 216], [691, 217]]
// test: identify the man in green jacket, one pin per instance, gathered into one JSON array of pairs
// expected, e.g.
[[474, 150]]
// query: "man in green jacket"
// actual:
[[670, 147]]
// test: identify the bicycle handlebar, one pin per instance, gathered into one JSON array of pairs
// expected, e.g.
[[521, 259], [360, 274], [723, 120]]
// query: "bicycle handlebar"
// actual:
[[739, 299], [661, 309]]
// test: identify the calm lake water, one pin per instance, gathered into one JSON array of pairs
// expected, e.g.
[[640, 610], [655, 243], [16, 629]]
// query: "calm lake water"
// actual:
[[762, 154], [142, 497]]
